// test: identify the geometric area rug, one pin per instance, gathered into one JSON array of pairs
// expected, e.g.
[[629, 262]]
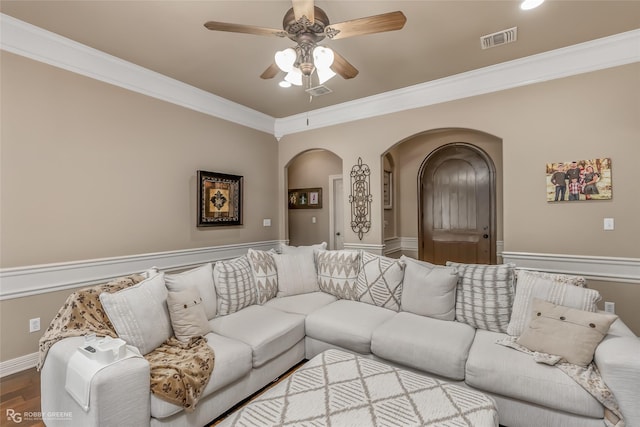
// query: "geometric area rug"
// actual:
[[336, 388]]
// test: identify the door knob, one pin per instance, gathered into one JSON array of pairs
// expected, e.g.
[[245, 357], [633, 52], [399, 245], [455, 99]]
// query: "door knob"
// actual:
[[338, 233], [486, 236]]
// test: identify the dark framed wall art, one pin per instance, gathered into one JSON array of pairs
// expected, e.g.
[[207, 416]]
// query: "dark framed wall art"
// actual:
[[577, 180], [305, 198], [219, 199]]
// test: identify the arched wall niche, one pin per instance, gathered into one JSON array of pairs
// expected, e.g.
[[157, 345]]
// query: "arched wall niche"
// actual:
[[310, 169], [408, 156]]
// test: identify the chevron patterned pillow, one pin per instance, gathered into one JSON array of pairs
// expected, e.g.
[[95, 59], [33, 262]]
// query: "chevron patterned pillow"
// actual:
[[338, 272], [265, 274]]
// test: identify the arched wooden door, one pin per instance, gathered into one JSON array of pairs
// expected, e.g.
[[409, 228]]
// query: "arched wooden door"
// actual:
[[457, 203]]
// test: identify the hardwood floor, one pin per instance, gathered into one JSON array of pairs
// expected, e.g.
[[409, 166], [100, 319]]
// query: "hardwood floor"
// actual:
[[20, 399]]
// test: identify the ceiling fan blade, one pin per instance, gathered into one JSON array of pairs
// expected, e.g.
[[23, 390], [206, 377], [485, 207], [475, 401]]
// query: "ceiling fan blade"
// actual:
[[303, 8], [270, 72], [373, 24], [343, 67], [246, 29]]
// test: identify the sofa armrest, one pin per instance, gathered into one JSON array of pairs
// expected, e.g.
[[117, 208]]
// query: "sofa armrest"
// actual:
[[618, 359], [119, 396]]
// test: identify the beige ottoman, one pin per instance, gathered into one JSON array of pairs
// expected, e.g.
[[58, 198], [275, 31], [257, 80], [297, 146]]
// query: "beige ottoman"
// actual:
[[342, 389]]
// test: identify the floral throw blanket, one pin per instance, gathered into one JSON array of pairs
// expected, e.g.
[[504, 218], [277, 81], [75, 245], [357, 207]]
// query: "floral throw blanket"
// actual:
[[588, 378], [179, 371]]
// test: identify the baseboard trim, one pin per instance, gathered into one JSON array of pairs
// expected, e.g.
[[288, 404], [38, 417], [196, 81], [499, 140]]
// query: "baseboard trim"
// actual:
[[608, 269], [39, 279], [18, 364]]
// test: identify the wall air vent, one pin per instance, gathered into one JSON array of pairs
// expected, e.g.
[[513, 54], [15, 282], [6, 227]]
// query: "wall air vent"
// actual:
[[499, 38], [318, 90]]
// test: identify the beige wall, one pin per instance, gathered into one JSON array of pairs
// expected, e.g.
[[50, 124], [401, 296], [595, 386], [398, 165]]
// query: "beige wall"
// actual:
[[89, 170], [584, 116], [308, 170]]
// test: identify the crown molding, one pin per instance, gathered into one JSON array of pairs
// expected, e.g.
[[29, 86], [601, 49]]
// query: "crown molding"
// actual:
[[27, 40], [607, 52], [44, 46]]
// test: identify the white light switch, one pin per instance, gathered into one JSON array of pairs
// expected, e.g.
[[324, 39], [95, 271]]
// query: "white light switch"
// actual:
[[266, 222], [313, 219], [608, 223]]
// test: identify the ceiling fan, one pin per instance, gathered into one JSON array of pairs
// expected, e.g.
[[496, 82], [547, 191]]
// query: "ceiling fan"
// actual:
[[307, 25]]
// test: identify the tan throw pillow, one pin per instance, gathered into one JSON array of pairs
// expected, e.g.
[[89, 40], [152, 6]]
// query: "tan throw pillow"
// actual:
[[265, 274], [188, 317], [567, 332]]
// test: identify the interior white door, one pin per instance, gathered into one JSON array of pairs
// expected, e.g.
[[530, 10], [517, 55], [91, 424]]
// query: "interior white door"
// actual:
[[336, 213]]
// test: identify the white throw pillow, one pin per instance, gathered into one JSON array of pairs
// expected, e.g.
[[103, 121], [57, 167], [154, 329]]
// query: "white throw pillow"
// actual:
[[429, 289], [292, 250], [235, 289], [296, 274], [188, 317], [338, 272], [201, 278], [552, 288], [484, 295], [139, 313], [265, 274], [380, 281]]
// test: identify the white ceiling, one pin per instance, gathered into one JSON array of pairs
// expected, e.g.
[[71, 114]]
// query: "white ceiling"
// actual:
[[440, 39]]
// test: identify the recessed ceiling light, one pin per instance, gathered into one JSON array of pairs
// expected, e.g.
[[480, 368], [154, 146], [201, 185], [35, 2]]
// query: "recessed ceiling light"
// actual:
[[530, 4], [284, 83]]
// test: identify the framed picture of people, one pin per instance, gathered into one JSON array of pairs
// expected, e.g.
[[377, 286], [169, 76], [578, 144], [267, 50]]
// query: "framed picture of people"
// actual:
[[576, 180]]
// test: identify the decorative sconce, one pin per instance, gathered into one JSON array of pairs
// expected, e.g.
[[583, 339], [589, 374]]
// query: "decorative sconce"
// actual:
[[360, 198]]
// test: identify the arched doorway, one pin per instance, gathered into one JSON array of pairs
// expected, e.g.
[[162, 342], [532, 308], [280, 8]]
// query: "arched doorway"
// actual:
[[313, 170], [457, 206]]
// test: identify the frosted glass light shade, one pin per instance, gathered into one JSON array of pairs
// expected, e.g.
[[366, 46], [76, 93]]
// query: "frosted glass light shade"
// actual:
[[324, 74], [322, 57], [294, 76], [285, 59]]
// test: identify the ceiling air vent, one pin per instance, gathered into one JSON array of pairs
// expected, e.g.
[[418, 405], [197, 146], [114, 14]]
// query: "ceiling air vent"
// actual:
[[499, 38], [318, 90]]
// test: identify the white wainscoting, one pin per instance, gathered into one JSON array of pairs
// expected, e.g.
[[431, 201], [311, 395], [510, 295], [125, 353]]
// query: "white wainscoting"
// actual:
[[37, 279], [608, 269]]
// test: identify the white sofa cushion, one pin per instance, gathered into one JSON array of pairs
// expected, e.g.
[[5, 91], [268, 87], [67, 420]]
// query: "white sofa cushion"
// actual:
[[549, 288], [232, 362], [484, 295], [201, 278], [265, 274], [233, 280], [498, 369], [436, 346], [131, 309], [296, 274], [268, 331], [429, 289], [302, 303], [188, 318], [380, 280], [338, 272], [347, 324]]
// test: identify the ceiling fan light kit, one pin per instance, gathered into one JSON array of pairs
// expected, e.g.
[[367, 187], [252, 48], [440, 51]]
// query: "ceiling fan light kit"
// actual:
[[307, 25]]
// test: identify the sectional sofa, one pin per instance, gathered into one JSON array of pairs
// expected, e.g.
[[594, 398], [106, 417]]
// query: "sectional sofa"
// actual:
[[267, 311]]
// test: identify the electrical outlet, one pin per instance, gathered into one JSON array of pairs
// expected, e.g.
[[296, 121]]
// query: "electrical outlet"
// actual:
[[608, 224], [610, 307], [34, 324]]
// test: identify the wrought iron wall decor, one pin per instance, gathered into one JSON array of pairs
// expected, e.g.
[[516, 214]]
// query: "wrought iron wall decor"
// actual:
[[360, 198]]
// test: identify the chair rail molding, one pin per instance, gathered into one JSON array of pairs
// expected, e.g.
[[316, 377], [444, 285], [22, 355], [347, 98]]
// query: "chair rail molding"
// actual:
[[38, 279], [608, 269]]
